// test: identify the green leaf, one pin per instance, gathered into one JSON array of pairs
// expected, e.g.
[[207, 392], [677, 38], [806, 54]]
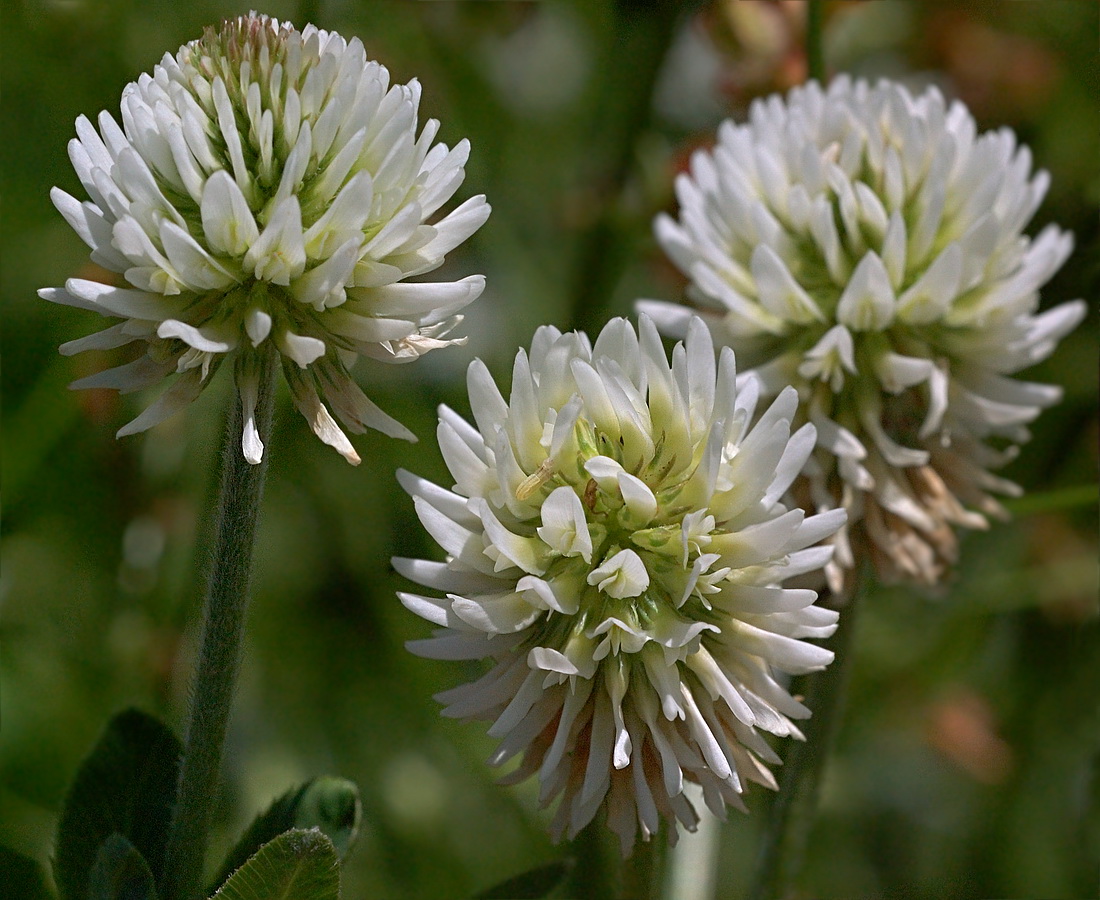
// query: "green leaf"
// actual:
[[297, 865], [21, 876], [530, 885], [127, 785], [120, 873], [329, 803]]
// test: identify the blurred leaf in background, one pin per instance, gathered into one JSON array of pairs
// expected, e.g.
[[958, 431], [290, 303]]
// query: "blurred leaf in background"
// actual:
[[967, 763]]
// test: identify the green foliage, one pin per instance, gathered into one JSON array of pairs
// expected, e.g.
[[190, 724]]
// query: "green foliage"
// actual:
[[102, 537], [531, 885], [331, 804], [297, 865], [328, 803], [22, 877], [123, 790], [120, 873]]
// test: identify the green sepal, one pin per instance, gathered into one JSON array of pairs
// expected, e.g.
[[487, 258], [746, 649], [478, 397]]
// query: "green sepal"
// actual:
[[22, 876], [297, 865], [329, 803], [126, 785], [120, 872], [532, 885]]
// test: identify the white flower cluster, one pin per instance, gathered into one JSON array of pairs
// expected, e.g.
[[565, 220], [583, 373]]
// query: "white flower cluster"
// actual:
[[866, 246], [616, 542], [268, 185]]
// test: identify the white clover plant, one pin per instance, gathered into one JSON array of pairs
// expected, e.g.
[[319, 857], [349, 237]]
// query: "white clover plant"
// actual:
[[616, 542], [866, 245], [268, 186]]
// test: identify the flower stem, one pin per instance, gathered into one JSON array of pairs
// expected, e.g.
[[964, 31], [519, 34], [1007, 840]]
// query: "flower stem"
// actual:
[[815, 43], [593, 876], [792, 812], [640, 39], [693, 862], [643, 871], [220, 648]]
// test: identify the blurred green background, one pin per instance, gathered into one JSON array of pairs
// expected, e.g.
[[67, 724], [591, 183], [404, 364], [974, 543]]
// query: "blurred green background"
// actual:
[[967, 762]]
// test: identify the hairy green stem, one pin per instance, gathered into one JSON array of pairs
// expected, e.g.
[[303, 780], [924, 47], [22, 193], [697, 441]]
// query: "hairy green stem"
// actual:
[[815, 41], [220, 647], [592, 878], [643, 872], [792, 812], [641, 35]]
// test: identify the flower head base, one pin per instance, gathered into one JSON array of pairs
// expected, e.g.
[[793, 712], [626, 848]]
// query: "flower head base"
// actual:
[[616, 542], [865, 246], [268, 185]]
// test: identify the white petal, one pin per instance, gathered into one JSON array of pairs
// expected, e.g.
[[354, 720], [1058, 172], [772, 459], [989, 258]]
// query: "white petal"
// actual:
[[417, 299], [933, 293], [395, 232], [867, 303], [197, 268], [778, 291], [757, 543], [278, 254], [937, 402], [208, 340], [496, 614], [789, 654], [323, 285], [367, 329], [443, 576], [897, 372], [88, 221], [257, 324], [623, 575], [248, 385], [310, 406], [559, 594], [605, 471], [835, 438], [798, 450], [830, 357], [295, 165], [343, 219], [488, 406], [638, 498], [564, 527], [894, 453], [300, 348], [112, 301], [434, 609], [456, 227], [817, 528], [227, 221], [893, 249], [506, 547]]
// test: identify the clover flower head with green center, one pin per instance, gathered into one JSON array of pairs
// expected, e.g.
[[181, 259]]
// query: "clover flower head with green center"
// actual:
[[268, 186], [866, 246], [615, 543]]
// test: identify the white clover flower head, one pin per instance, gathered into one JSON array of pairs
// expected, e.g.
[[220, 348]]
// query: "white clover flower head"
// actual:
[[268, 185], [616, 544], [866, 246]]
